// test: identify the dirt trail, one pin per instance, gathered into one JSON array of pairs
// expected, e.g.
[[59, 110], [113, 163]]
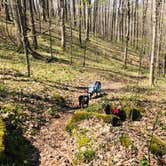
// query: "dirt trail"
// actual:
[[52, 142]]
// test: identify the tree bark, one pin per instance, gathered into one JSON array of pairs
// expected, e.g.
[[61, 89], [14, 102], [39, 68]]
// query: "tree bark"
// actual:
[[127, 34], [33, 29], [22, 18], [17, 23], [63, 28], [152, 61], [7, 10], [80, 27], [88, 19]]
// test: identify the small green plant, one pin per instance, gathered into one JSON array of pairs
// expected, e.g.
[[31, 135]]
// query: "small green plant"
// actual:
[[51, 111], [125, 141], [143, 162], [85, 155], [59, 99], [157, 146]]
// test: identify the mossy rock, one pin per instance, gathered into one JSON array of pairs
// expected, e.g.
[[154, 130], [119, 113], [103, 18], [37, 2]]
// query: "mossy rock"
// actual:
[[133, 113], [2, 133], [157, 146], [125, 141], [81, 115], [94, 108]]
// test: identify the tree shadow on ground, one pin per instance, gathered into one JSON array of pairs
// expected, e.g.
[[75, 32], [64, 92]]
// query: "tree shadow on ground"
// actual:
[[18, 150]]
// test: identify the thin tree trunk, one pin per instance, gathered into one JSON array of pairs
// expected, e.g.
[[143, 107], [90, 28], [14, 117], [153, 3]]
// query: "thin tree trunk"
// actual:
[[14, 4], [164, 65], [74, 13], [22, 18], [127, 35], [88, 19], [152, 61], [7, 10], [35, 44], [63, 28], [80, 27], [142, 52]]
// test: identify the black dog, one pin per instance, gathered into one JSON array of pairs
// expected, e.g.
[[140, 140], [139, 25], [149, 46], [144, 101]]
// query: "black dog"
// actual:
[[83, 99], [121, 114], [106, 108]]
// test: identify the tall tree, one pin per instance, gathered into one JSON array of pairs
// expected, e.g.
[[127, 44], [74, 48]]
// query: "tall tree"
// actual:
[[6, 4], [127, 34], [33, 29], [80, 23], [43, 9], [63, 28], [23, 23], [14, 5], [88, 19], [74, 12], [152, 60]]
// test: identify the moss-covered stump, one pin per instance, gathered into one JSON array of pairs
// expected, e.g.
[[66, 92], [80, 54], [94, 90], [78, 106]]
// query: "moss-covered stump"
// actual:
[[2, 132], [133, 114], [81, 115], [157, 146], [125, 141]]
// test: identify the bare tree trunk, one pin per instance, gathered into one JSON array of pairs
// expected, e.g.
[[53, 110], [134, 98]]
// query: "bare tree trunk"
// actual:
[[80, 22], [152, 61], [74, 13], [88, 19], [71, 34], [17, 22], [63, 28], [22, 18], [50, 35], [7, 10], [159, 37], [84, 14], [127, 34], [142, 52], [95, 12], [35, 44], [113, 19], [43, 5], [164, 65]]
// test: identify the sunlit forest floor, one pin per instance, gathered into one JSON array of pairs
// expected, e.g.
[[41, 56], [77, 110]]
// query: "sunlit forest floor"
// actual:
[[37, 109]]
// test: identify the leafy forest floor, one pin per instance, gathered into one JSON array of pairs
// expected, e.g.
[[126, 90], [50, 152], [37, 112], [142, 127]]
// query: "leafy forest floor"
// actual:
[[36, 110]]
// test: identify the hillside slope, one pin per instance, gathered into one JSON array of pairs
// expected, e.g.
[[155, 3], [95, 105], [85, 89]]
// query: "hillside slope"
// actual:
[[42, 105]]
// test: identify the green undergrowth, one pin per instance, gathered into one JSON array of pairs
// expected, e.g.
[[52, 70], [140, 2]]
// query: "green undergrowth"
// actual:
[[82, 115], [157, 146], [85, 151], [94, 108], [125, 141]]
